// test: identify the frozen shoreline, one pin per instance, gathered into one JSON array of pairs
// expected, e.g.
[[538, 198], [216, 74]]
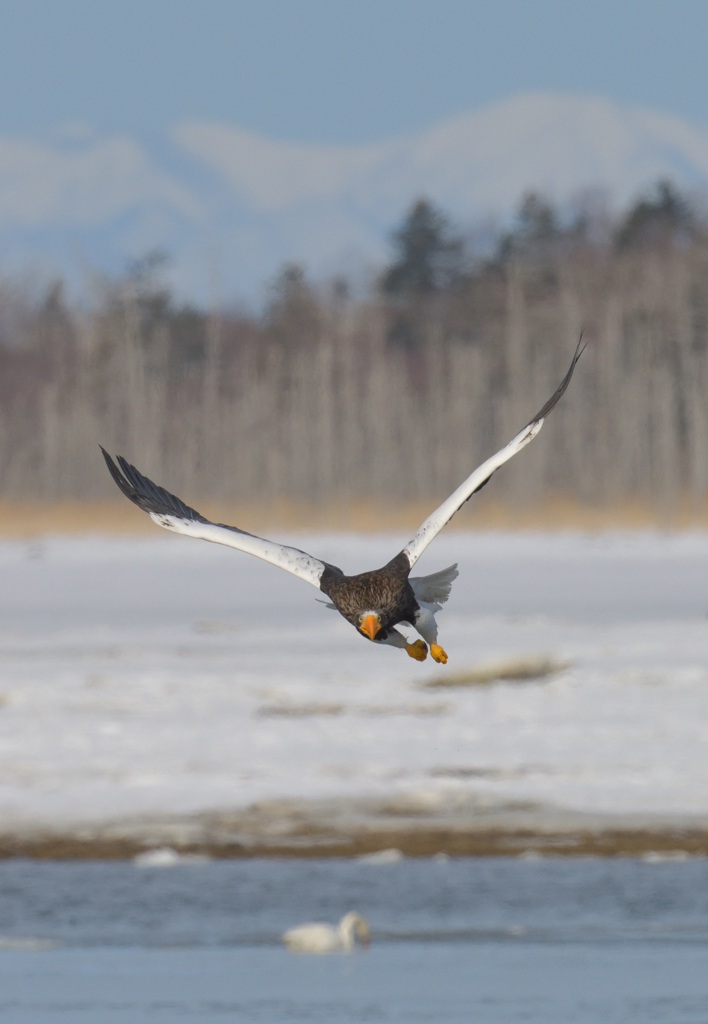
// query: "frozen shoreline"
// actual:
[[342, 828], [157, 679]]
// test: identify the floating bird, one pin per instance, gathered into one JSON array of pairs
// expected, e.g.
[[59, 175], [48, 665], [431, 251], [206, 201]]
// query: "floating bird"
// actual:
[[325, 938], [373, 602]]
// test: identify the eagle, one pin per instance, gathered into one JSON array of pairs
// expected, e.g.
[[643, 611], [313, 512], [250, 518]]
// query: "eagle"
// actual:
[[374, 602]]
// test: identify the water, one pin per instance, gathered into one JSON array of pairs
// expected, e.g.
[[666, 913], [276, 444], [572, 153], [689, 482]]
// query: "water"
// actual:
[[489, 941]]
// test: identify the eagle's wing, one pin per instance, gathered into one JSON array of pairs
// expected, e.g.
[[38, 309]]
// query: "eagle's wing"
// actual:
[[476, 481], [169, 511]]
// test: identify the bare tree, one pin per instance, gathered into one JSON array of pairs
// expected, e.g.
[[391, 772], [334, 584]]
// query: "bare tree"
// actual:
[[313, 403]]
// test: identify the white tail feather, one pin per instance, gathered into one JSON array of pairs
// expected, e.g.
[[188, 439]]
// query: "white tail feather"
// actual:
[[434, 589]]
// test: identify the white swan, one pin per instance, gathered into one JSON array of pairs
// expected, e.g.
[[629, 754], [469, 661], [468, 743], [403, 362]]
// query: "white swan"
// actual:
[[325, 938]]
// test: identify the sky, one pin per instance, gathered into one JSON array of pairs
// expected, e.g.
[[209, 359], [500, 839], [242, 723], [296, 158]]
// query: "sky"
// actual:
[[336, 71], [251, 133]]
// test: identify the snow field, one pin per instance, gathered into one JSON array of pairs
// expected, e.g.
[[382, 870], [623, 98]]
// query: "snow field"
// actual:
[[165, 676]]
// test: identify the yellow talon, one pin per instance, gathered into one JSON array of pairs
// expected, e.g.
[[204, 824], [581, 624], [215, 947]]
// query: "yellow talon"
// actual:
[[417, 650], [438, 654]]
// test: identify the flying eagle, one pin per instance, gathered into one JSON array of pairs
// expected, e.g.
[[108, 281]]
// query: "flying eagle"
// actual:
[[373, 602]]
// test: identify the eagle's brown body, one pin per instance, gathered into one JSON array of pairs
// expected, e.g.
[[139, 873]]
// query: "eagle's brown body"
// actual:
[[386, 589]]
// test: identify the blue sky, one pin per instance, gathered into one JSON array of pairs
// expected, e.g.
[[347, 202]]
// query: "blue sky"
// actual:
[[242, 134], [335, 70]]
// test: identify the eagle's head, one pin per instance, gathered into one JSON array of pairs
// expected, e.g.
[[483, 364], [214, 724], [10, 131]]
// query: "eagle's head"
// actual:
[[370, 623]]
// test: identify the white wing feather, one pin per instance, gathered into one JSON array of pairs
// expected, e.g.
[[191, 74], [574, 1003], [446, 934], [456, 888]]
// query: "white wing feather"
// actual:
[[170, 512], [299, 563], [442, 515]]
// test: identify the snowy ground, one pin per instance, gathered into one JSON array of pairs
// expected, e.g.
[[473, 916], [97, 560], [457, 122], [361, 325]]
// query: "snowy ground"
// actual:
[[162, 675]]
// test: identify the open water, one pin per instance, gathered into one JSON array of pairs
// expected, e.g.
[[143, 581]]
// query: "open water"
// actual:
[[474, 941]]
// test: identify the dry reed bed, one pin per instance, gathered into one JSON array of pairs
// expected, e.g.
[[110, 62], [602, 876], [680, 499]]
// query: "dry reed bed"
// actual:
[[36, 518]]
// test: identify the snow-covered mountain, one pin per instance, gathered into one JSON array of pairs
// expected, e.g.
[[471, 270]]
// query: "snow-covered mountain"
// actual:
[[231, 206]]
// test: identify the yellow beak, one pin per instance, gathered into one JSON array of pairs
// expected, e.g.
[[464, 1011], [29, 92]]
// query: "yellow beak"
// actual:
[[370, 626]]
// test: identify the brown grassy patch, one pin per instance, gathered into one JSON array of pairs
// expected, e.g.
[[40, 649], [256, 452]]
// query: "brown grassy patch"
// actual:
[[555, 512], [299, 710], [412, 842], [524, 667]]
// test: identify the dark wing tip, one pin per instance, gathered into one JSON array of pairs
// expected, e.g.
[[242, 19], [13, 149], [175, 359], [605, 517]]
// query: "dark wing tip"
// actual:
[[560, 390], [144, 493], [118, 477]]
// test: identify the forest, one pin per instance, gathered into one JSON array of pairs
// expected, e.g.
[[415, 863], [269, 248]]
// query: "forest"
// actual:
[[324, 398]]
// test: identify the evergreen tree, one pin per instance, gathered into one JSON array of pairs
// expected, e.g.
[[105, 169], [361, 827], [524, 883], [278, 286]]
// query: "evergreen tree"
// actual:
[[293, 314], [536, 228], [428, 256], [665, 218]]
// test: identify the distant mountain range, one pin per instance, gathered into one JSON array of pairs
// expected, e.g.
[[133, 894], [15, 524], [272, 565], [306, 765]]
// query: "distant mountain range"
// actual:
[[230, 206]]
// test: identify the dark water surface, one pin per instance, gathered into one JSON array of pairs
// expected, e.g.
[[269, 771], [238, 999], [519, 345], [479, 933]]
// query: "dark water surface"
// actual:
[[475, 940]]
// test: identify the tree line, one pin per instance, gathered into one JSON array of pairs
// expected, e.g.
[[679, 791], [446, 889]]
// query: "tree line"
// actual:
[[394, 396]]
